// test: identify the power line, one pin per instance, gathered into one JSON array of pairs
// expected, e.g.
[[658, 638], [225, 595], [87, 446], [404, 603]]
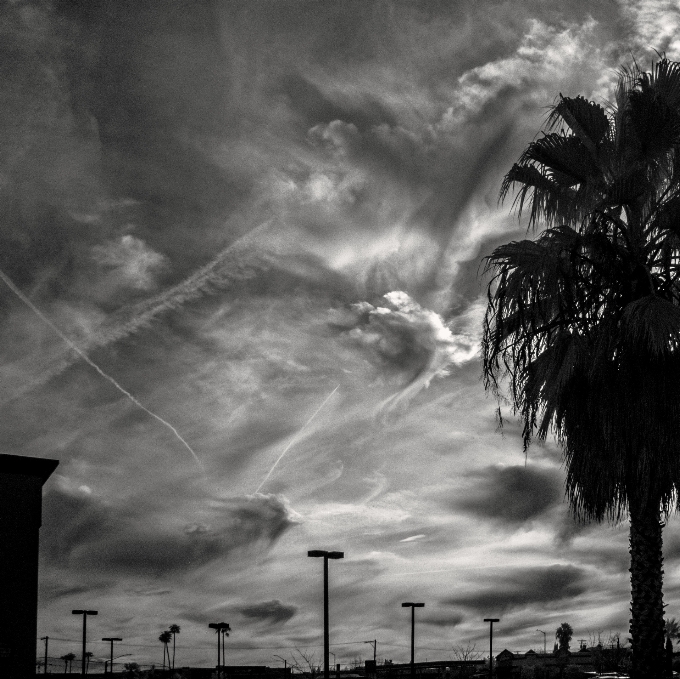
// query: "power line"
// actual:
[[210, 648]]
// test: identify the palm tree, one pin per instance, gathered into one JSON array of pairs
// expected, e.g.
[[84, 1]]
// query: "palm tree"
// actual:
[[672, 629], [563, 634], [173, 629], [88, 655], [225, 633], [68, 660], [584, 321], [164, 638]]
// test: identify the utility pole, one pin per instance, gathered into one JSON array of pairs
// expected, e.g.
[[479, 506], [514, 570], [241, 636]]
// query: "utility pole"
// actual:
[[326, 555], [373, 643], [84, 613], [491, 622], [45, 639], [111, 639], [413, 633]]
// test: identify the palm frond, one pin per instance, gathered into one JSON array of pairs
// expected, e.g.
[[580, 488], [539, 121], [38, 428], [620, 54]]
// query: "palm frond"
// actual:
[[651, 326], [586, 119]]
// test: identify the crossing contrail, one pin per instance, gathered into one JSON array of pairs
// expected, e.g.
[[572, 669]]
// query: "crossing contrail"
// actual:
[[234, 263], [296, 437], [10, 284]]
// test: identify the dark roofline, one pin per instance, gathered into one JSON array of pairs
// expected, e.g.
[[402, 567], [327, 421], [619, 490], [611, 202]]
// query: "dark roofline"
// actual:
[[28, 466]]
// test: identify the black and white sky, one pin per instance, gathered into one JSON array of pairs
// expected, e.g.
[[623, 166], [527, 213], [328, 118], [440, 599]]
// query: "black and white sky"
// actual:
[[261, 225]]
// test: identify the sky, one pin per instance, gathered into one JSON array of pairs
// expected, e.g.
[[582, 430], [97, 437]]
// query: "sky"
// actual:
[[241, 302]]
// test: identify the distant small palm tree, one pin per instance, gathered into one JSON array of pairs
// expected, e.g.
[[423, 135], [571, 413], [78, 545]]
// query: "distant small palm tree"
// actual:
[[225, 633], [672, 629], [68, 661], [88, 655], [174, 629], [165, 638]]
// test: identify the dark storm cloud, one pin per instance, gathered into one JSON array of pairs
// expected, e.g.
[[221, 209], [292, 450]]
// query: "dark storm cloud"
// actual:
[[82, 532], [511, 495], [441, 619], [273, 612], [517, 588]]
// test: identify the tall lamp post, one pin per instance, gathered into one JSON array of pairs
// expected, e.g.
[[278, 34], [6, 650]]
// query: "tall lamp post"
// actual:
[[373, 643], [111, 639], [326, 555], [413, 607], [84, 613], [491, 622], [544, 644]]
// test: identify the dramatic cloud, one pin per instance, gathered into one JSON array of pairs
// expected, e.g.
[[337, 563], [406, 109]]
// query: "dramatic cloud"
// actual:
[[266, 222], [84, 533], [517, 588], [273, 612], [511, 495]]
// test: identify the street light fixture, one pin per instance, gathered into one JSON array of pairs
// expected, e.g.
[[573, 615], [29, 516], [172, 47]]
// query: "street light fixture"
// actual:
[[491, 622], [106, 662], [84, 613], [326, 555], [111, 639], [219, 627], [544, 646], [413, 607]]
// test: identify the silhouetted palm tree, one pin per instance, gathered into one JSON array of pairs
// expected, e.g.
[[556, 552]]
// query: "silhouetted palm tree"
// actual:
[[584, 321], [165, 638], [173, 629], [225, 633], [68, 660], [672, 629], [88, 655]]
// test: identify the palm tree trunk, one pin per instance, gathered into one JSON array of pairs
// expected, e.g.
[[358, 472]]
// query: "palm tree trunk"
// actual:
[[173, 651], [646, 569]]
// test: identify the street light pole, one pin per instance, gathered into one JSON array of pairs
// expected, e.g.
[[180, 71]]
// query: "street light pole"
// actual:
[[326, 555], [413, 632], [491, 622], [84, 613], [45, 639], [111, 639], [544, 646]]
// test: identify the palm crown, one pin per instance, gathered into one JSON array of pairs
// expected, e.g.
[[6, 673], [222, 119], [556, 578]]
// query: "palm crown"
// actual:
[[590, 309]]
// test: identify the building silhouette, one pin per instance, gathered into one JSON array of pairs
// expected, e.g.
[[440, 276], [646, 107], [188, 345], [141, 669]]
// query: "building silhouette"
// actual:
[[21, 482]]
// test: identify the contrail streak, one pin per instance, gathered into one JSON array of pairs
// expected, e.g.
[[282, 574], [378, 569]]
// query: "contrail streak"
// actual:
[[234, 263], [9, 283], [296, 437]]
